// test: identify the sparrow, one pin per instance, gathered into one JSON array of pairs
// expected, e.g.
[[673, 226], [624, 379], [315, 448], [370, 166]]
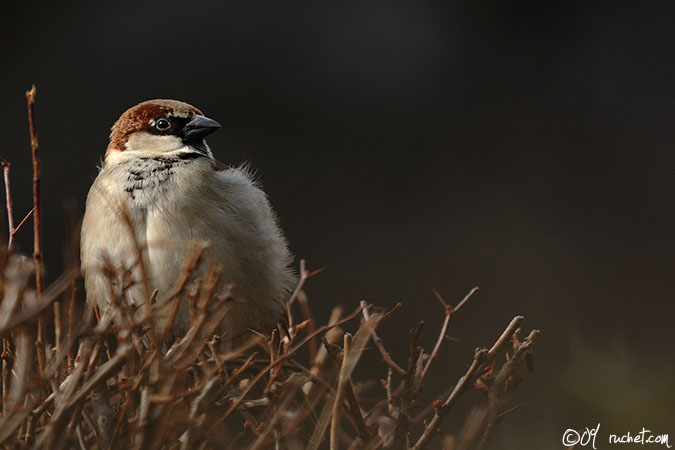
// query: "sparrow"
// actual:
[[160, 192]]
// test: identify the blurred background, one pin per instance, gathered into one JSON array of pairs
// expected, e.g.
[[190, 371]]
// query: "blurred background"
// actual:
[[517, 146]]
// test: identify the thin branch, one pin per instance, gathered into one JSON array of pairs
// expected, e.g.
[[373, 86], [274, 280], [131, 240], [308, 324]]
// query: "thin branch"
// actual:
[[449, 311], [482, 357], [307, 315], [37, 224], [304, 275], [37, 212], [354, 410], [57, 325], [464, 300], [499, 386], [380, 346], [342, 383], [504, 339], [6, 369], [39, 305], [71, 325], [9, 202], [23, 221], [280, 360], [104, 371]]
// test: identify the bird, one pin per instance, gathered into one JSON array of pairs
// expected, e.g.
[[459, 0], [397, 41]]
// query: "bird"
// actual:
[[161, 193]]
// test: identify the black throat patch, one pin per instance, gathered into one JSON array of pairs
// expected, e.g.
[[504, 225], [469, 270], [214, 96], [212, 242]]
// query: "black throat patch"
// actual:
[[147, 177]]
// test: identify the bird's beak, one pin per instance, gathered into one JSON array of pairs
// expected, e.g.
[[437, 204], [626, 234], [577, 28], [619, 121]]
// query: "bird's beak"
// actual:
[[199, 127]]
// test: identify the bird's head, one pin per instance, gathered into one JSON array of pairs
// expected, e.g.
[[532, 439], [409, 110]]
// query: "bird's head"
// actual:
[[160, 127]]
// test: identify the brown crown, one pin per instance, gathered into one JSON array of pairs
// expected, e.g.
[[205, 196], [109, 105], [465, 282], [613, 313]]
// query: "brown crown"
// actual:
[[138, 118]]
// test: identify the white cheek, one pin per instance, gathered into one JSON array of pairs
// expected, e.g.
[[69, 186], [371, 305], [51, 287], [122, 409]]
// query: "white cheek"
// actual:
[[151, 143]]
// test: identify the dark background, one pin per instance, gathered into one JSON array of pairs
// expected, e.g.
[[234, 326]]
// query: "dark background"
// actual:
[[521, 147]]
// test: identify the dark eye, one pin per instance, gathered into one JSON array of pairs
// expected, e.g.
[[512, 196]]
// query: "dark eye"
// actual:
[[163, 124]]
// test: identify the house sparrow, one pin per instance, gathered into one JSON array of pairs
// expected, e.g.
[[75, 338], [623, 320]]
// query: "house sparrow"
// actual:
[[160, 178]]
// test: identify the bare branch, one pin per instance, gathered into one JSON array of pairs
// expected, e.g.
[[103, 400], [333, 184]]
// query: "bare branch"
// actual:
[[504, 339], [9, 203], [482, 357], [380, 346], [449, 311], [37, 223], [23, 221], [354, 409], [499, 385], [342, 382]]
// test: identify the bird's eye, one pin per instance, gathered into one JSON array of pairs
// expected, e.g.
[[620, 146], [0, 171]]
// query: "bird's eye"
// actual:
[[163, 124]]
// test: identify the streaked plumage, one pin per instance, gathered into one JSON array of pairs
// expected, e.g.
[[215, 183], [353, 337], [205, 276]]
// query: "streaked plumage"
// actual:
[[176, 195]]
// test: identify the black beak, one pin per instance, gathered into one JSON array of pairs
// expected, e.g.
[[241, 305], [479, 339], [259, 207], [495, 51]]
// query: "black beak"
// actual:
[[198, 128]]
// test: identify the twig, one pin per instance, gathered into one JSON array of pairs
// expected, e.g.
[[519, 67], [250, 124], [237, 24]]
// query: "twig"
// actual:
[[57, 325], [359, 342], [105, 370], [390, 397], [80, 439], [280, 360], [37, 225], [504, 339], [48, 437], [142, 419], [145, 278], [449, 311], [322, 421], [71, 323], [51, 294], [464, 300], [292, 385], [481, 358], [12, 230], [23, 221], [8, 199], [499, 385], [354, 410], [193, 258], [342, 383], [380, 346], [410, 393], [37, 213], [304, 275], [6, 369], [307, 314], [462, 385], [502, 414], [332, 336]]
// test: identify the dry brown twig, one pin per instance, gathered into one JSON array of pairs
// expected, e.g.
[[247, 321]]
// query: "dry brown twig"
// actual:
[[449, 311], [380, 345], [482, 359], [9, 204], [155, 415], [37, 223], [498, 386], [353, 408]]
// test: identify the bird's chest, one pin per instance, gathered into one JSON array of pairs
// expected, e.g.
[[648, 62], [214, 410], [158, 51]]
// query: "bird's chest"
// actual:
[[157, 182], [160, 194]]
